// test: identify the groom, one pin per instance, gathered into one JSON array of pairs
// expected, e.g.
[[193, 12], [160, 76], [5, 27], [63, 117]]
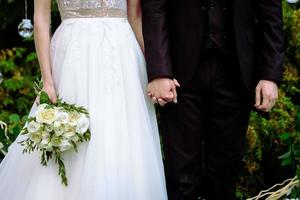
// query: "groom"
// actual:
[[227, 56]]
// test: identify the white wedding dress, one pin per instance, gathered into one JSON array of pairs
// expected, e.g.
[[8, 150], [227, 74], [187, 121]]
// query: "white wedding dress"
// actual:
[[96, 63]]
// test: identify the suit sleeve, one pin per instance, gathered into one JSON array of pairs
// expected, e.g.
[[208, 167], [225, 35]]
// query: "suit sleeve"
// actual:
[[270, 28], [156, 39]]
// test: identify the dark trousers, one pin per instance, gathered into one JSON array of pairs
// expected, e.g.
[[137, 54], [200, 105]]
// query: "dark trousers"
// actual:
[[204, 134]]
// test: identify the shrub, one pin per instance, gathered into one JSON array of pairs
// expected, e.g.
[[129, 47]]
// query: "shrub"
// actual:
[[18, 69]]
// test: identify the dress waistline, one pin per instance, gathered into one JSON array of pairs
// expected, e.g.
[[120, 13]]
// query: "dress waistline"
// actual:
[[94, 13]]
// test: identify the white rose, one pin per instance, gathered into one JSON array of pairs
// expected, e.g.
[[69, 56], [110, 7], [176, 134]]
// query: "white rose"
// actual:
[[41, 107], [69, 128], [46, 116], [69, 134], [63, 117], [35, 137], [82, 124], [59, 130], [73, 118], [33, 127], [45, 135], [49, 128], [45, 144], [56, 124], [55, 141], [64, 145]]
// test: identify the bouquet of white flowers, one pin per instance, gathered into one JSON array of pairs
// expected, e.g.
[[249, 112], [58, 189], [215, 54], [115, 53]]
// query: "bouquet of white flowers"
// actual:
[[54, 129]]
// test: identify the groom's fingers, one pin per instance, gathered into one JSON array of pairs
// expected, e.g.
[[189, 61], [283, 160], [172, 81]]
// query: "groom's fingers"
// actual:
[[169, 97], [258, 96], [265, 104], [176, 83], [162, 102], [175, 95]]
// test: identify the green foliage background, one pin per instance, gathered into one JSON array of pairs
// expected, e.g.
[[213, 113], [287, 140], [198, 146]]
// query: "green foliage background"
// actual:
[[273, 143]]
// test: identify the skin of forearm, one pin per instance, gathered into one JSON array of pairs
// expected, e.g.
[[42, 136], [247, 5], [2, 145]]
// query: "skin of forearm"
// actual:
[[137, 28], [135, 20], [42, 43]]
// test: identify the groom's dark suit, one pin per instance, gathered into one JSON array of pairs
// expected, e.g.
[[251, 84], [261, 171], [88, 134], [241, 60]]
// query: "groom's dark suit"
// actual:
[[218, 50], [175, 30]]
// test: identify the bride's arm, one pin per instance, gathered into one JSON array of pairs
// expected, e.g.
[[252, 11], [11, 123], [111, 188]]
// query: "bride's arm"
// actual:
[[135, 19], [42, 20]]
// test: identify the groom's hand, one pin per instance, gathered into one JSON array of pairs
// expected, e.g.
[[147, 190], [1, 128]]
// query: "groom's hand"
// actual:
[[163, 91], [266, 95]]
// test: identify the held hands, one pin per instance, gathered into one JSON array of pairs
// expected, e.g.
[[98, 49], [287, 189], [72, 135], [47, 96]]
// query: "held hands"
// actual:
[[266, 95], [163, 90]]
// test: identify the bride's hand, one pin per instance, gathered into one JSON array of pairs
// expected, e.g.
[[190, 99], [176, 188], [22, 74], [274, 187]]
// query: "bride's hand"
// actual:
[[50, 90]]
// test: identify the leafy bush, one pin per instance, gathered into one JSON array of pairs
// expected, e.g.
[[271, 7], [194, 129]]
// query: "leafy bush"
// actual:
[[18, 69]]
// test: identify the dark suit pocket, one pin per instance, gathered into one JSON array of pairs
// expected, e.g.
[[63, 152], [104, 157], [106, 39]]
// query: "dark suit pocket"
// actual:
[[250, 37]]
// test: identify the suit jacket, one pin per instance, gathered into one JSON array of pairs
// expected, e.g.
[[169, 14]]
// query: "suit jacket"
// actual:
[[174, 35]]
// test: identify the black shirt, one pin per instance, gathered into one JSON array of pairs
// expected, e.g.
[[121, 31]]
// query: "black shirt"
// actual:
[[220, 28]]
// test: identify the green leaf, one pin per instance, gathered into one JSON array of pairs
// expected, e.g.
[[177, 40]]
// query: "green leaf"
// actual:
[[7, 101], [284, 136], [19, 52], [286, 155], [31, 57], [16, 130], [44, 98], [14, 118], [286, 161]]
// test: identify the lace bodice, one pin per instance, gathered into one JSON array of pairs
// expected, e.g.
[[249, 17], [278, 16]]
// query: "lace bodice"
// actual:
[[92, 8]]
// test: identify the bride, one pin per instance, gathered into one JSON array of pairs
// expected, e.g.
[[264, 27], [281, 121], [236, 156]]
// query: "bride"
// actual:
[[95, 60]]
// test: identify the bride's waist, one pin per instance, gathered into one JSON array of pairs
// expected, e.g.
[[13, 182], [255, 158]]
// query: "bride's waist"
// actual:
[[94, 13]]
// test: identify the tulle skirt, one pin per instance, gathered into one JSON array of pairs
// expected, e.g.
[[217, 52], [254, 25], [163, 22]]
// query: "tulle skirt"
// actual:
[[96, 63]]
